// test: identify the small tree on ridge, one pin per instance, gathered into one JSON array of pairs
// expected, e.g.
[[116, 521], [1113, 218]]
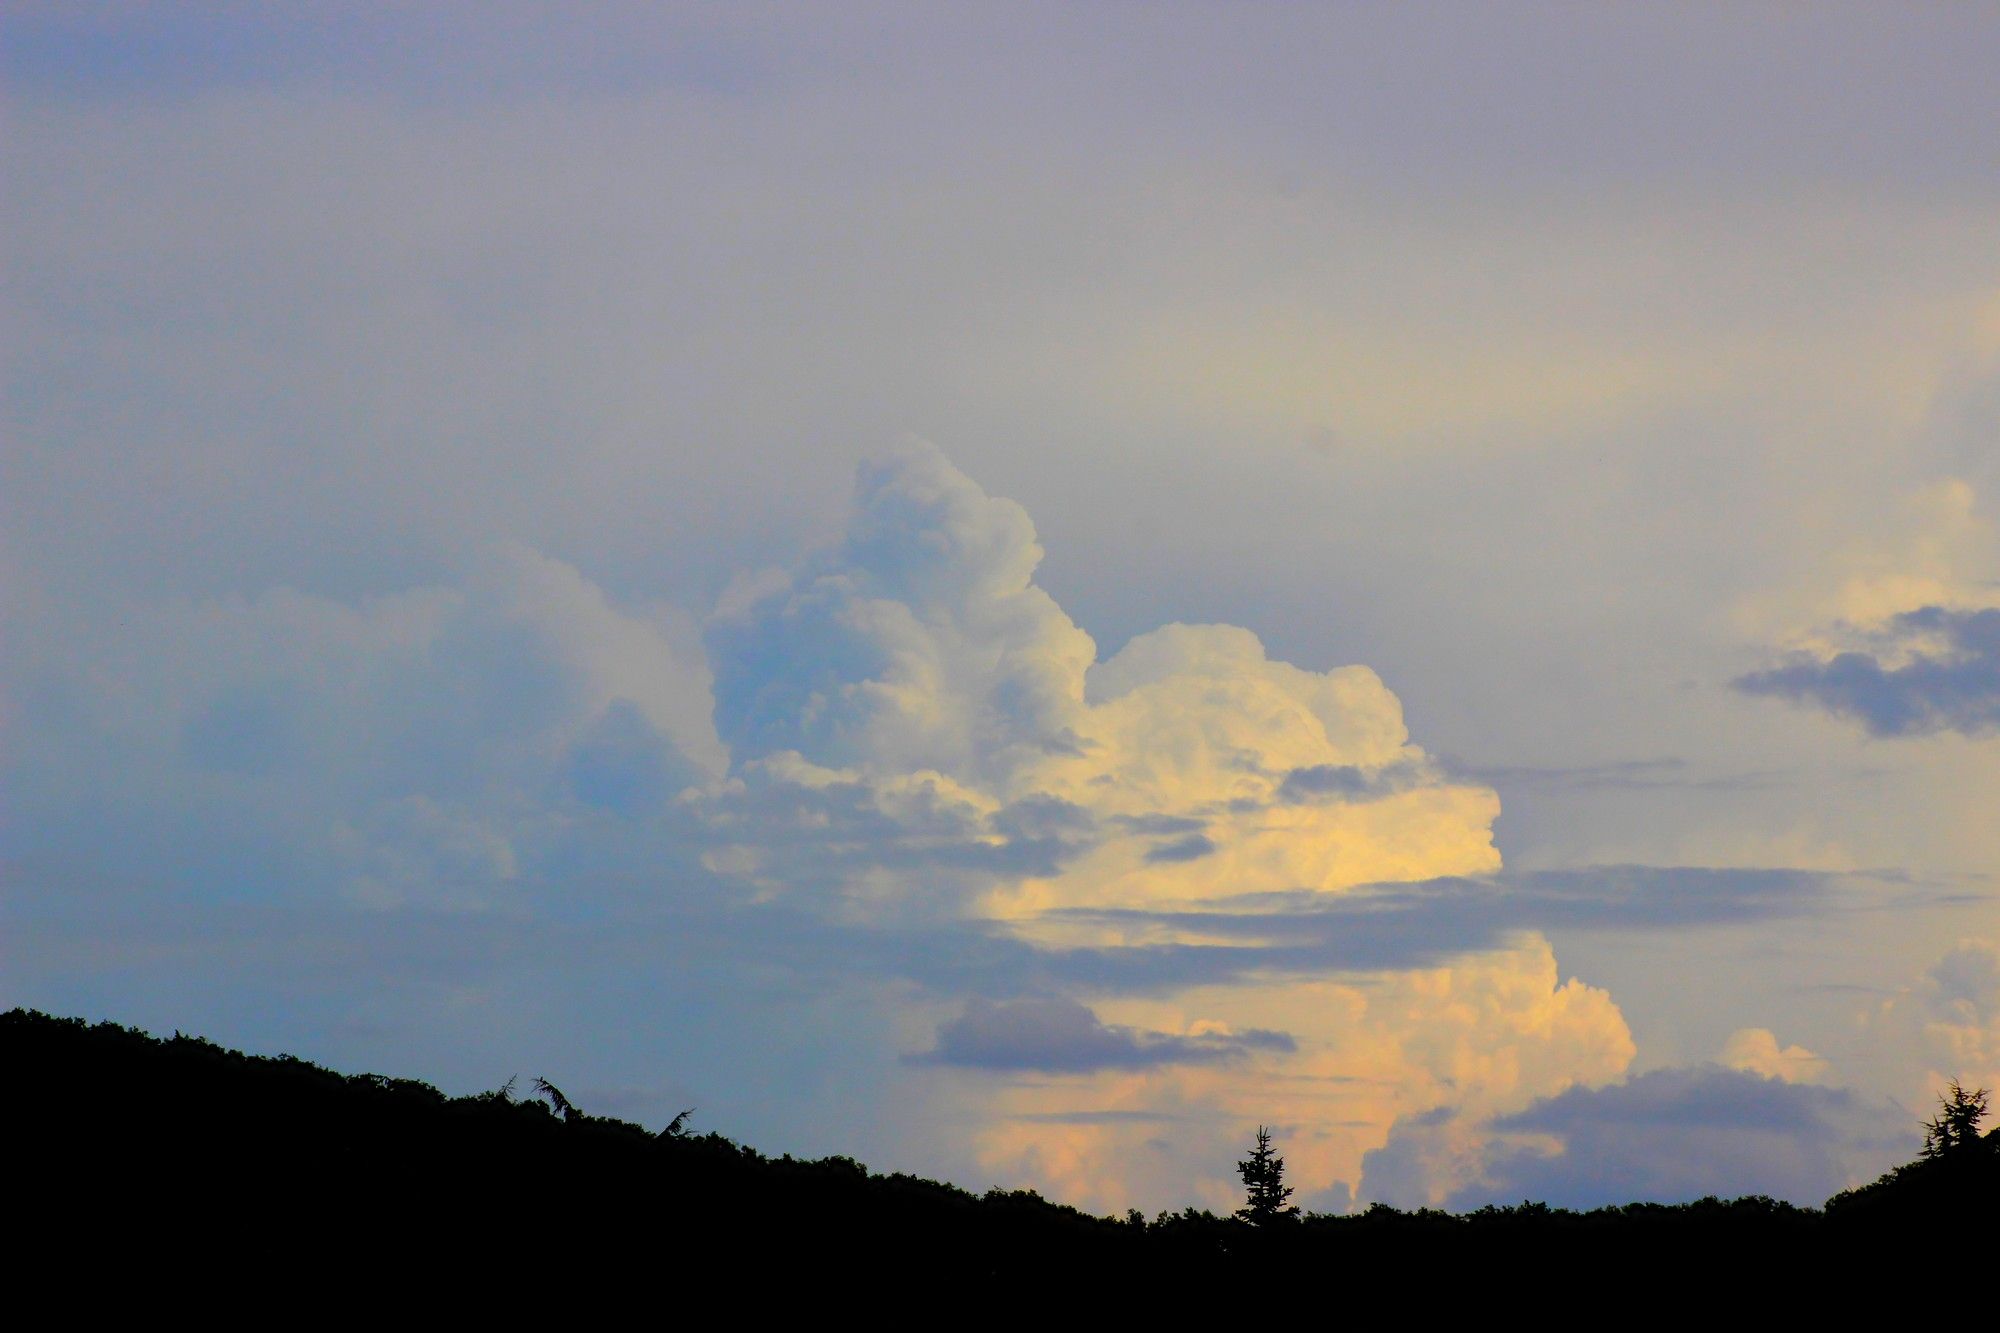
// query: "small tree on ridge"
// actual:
[[1264, 1187], [1956, 1125]]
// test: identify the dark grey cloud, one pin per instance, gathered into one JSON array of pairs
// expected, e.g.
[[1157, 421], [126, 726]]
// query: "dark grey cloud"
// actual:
[[1044, 817], [1191, 848], [1667, 1136], [1325, 780], [1954, 689], [1056, 1035], [1426, 922], [812, 839], [1347, 782]]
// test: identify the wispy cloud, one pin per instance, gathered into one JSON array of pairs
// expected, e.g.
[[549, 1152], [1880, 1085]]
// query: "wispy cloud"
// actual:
[[1662, 774], [1056, 1035]]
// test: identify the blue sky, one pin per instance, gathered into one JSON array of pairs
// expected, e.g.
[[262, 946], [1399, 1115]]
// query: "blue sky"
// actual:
[[1017, 591]]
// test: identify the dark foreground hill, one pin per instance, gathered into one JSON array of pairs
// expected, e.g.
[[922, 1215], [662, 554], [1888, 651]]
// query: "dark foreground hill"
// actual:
[[143, 1163]]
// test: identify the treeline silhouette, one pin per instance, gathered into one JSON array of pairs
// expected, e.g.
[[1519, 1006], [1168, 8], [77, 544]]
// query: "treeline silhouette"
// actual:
[[132, 1155]]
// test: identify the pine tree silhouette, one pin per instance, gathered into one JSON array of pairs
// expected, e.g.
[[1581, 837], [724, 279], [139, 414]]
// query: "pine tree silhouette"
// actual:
[[1265, 1190], [1956, 1125]]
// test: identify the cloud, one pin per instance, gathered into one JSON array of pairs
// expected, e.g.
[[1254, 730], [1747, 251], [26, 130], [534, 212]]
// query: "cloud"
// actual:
[[1188, 879], [1638, 775], [1349, 782], [1415, 924], [331, 327], [1056, 1035], [1191, 848], [1928, 670], [1965, 983], [1960, 999], [919, 733], [1756, 1051], [918, 652], [622, 763], [1484, 1032], [1903, 633], [444, 743], [1667, 1136], [1164, 894], [917, 644]]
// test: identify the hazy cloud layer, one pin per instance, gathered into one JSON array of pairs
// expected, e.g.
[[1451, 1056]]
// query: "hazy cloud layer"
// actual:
[[1421, 923], [433, 747], [1055, 1035]]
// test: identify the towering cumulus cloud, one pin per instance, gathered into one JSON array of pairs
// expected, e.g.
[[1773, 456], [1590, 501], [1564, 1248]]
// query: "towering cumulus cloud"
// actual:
[[920, 644], [1097, 918], [919, 730], [919, 663]]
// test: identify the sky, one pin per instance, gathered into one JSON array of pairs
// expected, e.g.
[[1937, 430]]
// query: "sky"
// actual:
[[1015, 591]]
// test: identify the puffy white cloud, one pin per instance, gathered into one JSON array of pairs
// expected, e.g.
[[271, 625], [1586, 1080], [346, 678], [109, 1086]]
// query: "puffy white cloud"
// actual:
[[1483, 1033], [918, 727], [1194, 723], [920, 650], [918, 644], [1756, 1051]]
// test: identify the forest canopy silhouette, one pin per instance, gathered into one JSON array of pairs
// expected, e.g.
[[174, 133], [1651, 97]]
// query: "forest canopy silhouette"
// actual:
[[169, 1151]]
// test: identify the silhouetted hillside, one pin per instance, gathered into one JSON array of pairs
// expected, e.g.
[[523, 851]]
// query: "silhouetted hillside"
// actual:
[[135, 1155], [1956, 1179]]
